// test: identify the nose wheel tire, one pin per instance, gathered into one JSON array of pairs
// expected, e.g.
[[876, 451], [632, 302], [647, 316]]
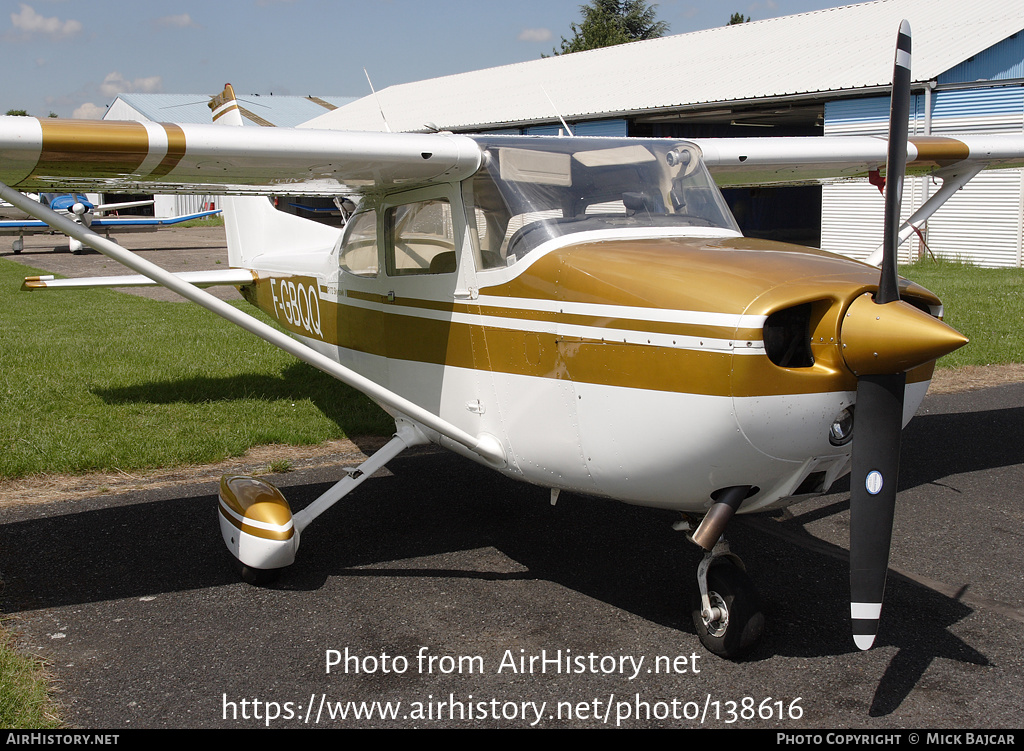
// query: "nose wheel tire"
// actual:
[[736, 622]]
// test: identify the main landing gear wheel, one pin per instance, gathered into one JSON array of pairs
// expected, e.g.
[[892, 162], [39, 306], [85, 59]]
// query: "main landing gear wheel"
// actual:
[[736, 622], [258, 577]]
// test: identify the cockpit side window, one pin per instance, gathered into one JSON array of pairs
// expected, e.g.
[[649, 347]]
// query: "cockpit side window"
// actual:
[[496, 223], [358, 253]]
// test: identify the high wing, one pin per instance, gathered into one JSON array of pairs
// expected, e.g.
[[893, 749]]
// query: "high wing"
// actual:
[[189, 158], [79, 155], [211, 159], [745, 162], [168, 158], [126, 224], [91, 215], [171, 158], [748, 162]]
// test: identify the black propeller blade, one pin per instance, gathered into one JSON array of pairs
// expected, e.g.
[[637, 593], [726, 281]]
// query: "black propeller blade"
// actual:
[[895, 165], [881, 342], [873, 479]]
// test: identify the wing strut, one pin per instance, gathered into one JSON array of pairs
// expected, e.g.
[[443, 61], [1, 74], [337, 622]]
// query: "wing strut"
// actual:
[[951, 183], [486, 446]]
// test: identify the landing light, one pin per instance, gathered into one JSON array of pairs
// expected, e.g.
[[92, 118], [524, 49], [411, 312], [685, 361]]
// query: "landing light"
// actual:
[[841, 430]]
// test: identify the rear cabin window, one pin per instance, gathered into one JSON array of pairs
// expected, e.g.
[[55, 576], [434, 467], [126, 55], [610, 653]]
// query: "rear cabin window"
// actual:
[[420, 238]]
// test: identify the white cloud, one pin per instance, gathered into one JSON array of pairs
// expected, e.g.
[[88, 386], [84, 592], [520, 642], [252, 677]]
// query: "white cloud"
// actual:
[[30, 24], [762, 9], [182, 21], [115, 84], [89, 111], [534, 35]]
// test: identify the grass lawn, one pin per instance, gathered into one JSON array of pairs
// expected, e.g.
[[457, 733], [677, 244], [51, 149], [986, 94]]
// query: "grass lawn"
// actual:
[[97, 379], [23, 691], [217, 220], [986, 305]]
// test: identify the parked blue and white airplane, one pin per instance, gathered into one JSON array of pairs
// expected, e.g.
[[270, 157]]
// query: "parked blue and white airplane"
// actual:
[[89, 214]]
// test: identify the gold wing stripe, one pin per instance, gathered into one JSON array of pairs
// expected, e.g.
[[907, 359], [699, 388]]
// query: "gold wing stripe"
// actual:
[[92, 148], [100, 149], [175, 150], [939, 150]]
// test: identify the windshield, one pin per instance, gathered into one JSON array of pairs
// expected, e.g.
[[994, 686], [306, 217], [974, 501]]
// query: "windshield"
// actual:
[[532, 190]]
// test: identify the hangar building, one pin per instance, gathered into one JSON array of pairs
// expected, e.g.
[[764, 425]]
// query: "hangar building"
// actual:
[[820, 73]]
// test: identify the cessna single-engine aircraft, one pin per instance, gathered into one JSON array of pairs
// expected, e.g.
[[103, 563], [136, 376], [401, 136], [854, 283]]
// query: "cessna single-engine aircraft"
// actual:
[[579, 313], [90, 215]]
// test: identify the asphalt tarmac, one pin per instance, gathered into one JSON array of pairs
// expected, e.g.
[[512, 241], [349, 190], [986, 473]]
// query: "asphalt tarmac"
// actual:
[[432, 586], [174, 248]]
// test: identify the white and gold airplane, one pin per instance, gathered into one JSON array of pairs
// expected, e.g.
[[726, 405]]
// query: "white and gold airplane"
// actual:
[[579, 313]]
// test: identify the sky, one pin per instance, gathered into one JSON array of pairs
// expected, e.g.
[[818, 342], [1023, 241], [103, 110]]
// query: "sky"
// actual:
[[72, 58]]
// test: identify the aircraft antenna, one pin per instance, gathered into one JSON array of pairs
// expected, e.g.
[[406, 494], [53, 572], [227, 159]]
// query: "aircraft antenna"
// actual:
[[552, 103], [377, 99]]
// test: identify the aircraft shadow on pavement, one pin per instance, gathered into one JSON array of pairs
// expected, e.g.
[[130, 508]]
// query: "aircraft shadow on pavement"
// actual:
[[940, 445], [435, 503]]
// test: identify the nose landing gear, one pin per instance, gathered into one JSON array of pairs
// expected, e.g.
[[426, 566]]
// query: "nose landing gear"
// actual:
[[727, 611]]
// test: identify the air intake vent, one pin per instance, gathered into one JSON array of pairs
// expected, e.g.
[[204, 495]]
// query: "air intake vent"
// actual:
[[787, 337]]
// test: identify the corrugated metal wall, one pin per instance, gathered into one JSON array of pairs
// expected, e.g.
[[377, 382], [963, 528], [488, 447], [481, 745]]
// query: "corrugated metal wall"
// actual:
[[1000, 62], [173, 205], [982, 223], [607, 128]]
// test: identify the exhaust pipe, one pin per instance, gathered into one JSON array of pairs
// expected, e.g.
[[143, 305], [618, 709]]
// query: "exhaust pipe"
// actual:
[[713, 524]]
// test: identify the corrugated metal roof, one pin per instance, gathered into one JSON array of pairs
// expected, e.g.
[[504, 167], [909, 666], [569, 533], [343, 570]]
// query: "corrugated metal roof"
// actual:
[[258, 109], [839, 49]]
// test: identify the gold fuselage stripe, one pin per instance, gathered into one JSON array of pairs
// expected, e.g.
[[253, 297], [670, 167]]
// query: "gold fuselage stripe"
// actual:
[[609, 313], [604, 320], [401, 336]]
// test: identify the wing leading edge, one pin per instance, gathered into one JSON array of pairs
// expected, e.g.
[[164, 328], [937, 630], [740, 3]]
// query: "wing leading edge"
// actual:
[[188, 158]]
